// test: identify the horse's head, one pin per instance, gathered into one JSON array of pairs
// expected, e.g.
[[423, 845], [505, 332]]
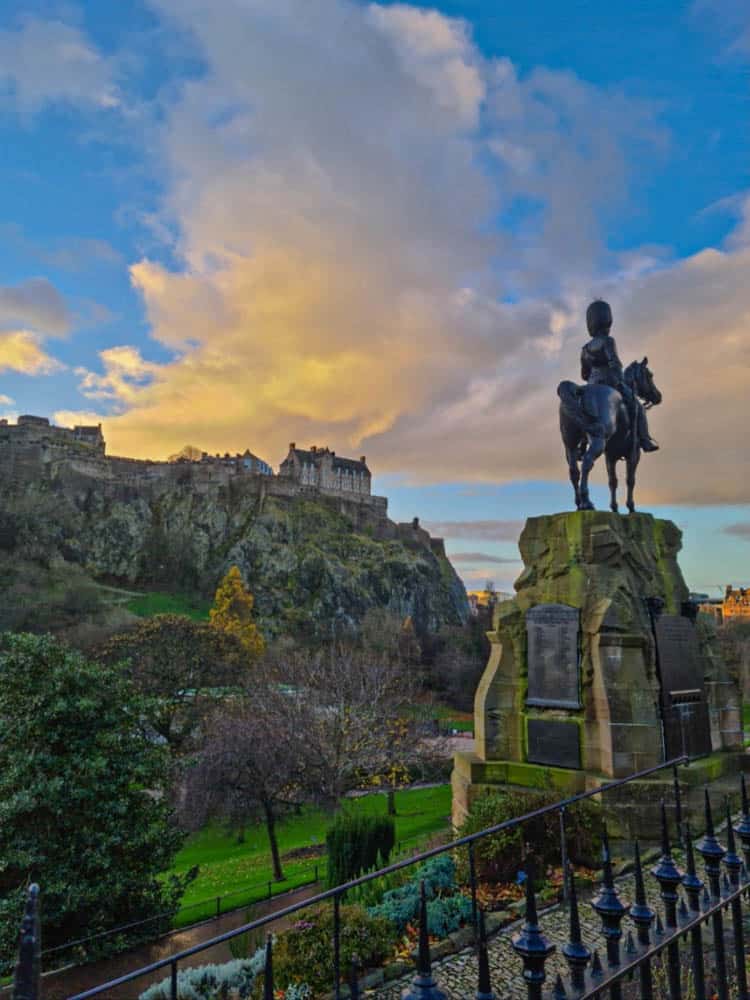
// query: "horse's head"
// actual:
[[639, 378]]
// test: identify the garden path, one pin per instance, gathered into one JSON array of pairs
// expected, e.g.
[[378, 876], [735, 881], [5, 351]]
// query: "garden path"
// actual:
[[456, 975]]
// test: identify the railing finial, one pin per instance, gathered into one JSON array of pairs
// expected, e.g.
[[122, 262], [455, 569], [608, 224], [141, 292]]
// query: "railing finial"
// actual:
[[575, 952], [530, 943], [667, 873], [609, 906], [640, 912]]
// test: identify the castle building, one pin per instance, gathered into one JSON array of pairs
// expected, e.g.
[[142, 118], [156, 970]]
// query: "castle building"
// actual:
[[38, 429], [35, 440], [324, 469], [245, 462], [736, 605]]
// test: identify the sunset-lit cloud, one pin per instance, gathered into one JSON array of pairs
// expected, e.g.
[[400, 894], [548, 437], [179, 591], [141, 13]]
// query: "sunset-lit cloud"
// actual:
[[20, 352], [333, 176]]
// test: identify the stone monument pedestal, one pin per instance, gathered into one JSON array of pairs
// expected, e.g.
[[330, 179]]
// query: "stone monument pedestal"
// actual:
[[598, 669]]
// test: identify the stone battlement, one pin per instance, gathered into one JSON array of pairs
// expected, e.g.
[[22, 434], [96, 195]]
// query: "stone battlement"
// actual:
[[34, 450]]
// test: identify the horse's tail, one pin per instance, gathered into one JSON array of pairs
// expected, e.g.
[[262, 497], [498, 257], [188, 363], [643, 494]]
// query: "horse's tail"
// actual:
[[571, 406]]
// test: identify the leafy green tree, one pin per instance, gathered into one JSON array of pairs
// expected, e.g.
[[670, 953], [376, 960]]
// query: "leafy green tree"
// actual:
[[233, 612], [83, 796], [182, 666]]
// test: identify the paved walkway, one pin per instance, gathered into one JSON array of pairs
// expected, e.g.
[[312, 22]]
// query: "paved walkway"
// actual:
[[457, 974]]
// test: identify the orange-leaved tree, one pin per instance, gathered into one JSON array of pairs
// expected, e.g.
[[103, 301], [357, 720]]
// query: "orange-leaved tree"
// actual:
[[233, 612]]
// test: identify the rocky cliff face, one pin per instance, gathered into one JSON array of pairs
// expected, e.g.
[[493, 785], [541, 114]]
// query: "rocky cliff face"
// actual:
[[313, 564]]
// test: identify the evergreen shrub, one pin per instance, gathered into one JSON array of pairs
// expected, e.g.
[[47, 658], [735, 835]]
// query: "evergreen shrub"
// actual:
[[500, 856], [446, 908], [356, 843]]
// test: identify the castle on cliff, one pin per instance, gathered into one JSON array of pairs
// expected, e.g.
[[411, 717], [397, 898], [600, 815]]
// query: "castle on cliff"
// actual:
[[74, 461], [33, 443]]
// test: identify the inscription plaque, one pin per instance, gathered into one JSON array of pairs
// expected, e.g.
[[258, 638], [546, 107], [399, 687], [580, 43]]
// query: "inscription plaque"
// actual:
[[553, 661], [683, 697], [554, 742]]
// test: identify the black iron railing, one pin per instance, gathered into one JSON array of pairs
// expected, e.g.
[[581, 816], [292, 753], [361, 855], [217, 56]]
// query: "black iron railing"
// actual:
[[530, 943]]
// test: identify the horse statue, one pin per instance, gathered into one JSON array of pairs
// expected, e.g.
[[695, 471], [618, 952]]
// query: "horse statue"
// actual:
[[595, 418]]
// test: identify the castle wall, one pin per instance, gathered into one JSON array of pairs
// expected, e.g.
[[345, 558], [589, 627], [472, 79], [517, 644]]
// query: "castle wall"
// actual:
[[31, 452]]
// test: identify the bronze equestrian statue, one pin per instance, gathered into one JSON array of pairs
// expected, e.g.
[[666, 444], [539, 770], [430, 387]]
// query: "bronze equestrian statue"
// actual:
[[607, 414]]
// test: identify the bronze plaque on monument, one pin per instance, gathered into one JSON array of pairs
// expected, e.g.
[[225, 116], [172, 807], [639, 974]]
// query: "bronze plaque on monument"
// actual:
[[554, 742], [552, 656], [683, 697]]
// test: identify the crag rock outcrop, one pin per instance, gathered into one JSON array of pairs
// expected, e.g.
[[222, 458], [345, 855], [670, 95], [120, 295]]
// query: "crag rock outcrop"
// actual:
[[313, 563]]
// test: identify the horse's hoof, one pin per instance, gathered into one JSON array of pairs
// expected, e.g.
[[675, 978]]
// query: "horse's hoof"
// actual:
[[631, 509], [587, 506], [614, 508]]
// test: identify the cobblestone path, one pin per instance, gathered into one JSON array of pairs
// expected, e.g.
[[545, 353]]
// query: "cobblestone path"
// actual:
[[456, 975]]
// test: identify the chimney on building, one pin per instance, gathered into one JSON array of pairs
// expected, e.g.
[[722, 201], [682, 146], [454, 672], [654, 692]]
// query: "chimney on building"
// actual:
[[292, 446], [415, 523], [363, 460]]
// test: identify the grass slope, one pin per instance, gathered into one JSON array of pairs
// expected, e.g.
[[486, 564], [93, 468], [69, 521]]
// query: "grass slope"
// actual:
[[244, 870], [156, 603]]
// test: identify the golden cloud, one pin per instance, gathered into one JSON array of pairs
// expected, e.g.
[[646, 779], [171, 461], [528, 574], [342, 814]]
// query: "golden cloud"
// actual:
[[338, 281], [20, 351]]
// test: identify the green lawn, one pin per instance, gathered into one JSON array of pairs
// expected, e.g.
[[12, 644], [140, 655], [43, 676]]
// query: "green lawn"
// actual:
[[244, 869], [157, 603], [462, 722]]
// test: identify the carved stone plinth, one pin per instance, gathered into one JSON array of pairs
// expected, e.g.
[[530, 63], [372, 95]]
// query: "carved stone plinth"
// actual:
[[612, 578]]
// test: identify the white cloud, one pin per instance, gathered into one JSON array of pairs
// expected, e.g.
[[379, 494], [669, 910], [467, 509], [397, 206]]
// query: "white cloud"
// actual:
[[43, 62], [5, 400]]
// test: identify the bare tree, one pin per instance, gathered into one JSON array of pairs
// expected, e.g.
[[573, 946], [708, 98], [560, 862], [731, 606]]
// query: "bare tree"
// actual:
[[362, 721], [250, 767]]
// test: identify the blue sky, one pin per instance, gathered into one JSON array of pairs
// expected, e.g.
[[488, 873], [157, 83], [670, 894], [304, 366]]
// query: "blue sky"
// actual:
[[377, 227]]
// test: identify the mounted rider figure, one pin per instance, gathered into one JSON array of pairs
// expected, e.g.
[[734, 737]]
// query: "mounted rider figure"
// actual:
[[600, 364]]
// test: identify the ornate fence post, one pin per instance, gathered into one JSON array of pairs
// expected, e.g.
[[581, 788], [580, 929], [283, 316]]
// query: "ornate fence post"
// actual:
[[575, 952], [734, 866], [693, 887], [612, 911], [27, 978], [669, 877], [484, 986], [642, 916], [713, 852], [531, 944], [423, 986]]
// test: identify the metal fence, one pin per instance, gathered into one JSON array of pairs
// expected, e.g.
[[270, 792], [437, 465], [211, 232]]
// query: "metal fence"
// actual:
[[688, 927]]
